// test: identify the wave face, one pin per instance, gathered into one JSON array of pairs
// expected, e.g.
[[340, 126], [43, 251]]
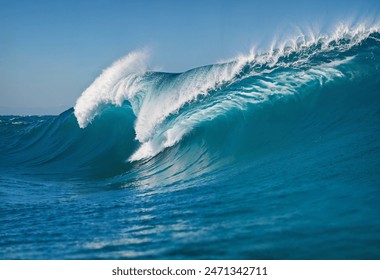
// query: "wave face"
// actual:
[[282, 145]]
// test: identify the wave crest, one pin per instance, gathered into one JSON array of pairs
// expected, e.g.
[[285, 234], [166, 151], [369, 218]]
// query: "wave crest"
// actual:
[[117, 83]]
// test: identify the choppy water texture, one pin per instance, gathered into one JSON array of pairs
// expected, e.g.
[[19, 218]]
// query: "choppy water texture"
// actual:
[[269, 156]]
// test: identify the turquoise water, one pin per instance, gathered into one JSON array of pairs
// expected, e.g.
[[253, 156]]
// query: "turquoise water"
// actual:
[[269, 156]]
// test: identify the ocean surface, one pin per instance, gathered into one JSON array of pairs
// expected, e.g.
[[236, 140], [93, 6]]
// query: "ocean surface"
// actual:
[[272, 155]]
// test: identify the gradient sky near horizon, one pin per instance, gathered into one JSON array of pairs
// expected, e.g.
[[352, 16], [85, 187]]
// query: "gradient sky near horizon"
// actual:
[[51, 51]]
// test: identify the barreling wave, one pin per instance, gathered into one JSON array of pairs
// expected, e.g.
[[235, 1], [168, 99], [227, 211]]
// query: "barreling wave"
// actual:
[[168, 106], [134, 123]]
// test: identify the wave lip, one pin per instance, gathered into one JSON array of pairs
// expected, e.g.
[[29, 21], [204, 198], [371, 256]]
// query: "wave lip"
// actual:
[[109, 87]]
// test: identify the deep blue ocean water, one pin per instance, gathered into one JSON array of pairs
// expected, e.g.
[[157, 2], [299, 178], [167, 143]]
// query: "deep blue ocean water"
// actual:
[[275, 156]]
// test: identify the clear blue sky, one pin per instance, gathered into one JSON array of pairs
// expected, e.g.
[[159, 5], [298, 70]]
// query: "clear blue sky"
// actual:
[[50, 51]]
